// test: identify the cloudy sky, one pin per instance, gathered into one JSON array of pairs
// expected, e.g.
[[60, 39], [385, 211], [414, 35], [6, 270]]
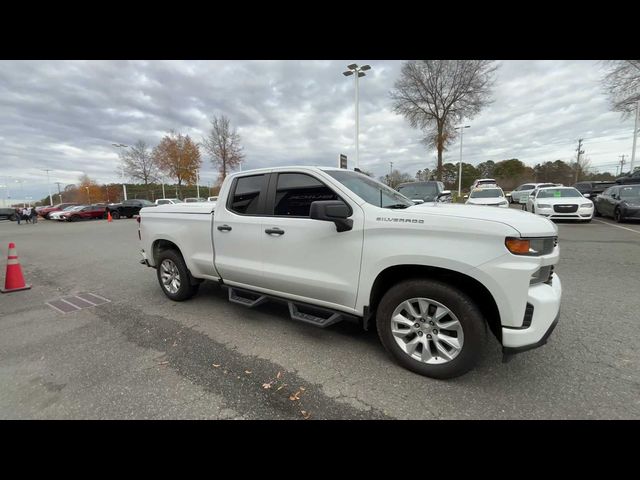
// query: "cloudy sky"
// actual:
[[64, 116]]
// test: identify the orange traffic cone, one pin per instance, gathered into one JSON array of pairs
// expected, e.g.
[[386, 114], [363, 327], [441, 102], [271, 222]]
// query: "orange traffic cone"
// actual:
[[14, 280], [109, 217]]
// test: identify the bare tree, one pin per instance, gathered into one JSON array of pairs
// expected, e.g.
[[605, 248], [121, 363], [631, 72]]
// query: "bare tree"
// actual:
[[622, 83], [223, 145], [433, 95], [138, 163], [395, 178]]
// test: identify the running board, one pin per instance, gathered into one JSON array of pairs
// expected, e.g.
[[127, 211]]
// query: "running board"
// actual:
[[246, 298], [302, 312]]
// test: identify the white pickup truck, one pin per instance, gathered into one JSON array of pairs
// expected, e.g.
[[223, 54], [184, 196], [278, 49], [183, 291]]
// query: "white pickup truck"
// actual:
[[337, 245]]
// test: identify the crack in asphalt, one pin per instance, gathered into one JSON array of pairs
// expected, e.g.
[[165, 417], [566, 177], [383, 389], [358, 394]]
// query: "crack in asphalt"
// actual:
[[238, 379]]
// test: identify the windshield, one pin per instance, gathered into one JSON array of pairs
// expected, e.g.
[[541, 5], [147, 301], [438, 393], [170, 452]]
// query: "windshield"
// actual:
[[419, 190], [487, 193], [559, 193], [630, 192], [146, 203], [370, 190]]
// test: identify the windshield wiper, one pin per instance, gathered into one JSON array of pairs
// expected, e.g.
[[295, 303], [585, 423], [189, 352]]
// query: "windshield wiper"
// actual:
[[397, 205]]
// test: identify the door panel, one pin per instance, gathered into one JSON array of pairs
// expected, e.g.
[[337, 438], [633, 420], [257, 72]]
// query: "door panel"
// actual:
[[237, 233], [311, 258]]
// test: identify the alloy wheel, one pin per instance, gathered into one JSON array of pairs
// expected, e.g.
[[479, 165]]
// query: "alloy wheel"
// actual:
[[170, 276]]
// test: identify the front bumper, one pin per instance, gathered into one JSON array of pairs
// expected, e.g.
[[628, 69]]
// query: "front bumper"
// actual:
[[583, 213], [545, 300], [632, 213]]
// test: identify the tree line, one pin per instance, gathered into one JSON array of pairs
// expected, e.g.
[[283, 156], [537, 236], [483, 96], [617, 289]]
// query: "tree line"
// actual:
[[508, 173]]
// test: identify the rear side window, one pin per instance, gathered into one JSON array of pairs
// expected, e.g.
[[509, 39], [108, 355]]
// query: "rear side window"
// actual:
[[527, 187], [296, 191], [247, 195]]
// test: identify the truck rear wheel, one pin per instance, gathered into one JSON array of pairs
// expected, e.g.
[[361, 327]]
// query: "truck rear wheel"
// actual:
[[174, 277], [115, 214], [431, 328]]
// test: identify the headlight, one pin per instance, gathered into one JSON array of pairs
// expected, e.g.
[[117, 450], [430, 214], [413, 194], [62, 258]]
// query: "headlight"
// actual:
[[533, 247], [504, 203], [586, 205], [544, 205]]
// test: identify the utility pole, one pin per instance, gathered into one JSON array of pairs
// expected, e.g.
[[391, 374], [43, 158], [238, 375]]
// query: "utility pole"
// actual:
[[622, 162], [49, 187], [59, 193], [198, 184], [580, 152], [390, 172], [635, 136]]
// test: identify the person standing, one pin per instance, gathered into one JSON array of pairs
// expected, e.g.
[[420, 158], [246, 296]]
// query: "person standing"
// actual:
[[18, 215], [25, 215], [34, 215]]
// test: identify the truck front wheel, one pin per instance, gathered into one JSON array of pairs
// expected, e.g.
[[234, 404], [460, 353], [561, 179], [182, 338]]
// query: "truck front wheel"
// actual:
[[431, 328], [174, 277]]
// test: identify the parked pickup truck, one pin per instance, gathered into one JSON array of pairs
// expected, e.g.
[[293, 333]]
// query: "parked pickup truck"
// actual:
[[338, 245], [128, 208]]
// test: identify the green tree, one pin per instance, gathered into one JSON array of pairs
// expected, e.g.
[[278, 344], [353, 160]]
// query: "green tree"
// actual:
[[485, 169]]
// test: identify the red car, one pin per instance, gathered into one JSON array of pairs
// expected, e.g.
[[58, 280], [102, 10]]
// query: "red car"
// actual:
[[86, 213], [44, 212]]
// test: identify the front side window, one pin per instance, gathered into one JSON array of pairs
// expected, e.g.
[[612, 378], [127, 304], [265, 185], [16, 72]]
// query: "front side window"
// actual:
[[296, 191], [247, 195]]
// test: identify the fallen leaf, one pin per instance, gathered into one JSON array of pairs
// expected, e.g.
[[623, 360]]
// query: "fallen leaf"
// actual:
[[295, 396], [247, 372], [175, 344], [279, 375], [215, 365], [301, 389], [266, 385], [281, 387], [163, 363], [305, 414]]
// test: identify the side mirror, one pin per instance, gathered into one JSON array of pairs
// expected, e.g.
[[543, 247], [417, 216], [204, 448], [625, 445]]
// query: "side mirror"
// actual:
[[334, 211], [444, 192], [417, 201]]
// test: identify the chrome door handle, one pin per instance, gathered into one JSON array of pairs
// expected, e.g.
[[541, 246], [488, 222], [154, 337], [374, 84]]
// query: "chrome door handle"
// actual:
[[224, 228], [274, 231]]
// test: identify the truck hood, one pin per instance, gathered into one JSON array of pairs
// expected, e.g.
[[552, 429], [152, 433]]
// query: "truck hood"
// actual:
[[528, 224]]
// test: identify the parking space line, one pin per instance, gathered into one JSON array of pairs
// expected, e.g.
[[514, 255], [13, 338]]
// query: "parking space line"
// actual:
[[617, 226]]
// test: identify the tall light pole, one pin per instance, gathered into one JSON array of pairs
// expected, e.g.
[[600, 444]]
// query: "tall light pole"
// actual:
[[124, 187], [88, 196], [21, 182], [461, 128], [48, 186], [635, 136], [198, 184], [359, 72]]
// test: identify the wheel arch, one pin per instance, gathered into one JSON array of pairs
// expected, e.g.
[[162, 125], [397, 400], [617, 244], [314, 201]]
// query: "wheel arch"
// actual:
[[161, 245], [469, 285]]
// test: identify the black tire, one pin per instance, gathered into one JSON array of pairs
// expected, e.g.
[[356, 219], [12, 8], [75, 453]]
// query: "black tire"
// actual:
[[533, 209], [115, 214], [13, 218], [473, 325], [617, 216], [186, 290], [73, 218]]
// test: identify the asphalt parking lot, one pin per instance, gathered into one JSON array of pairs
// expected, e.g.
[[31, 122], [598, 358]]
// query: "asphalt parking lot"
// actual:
[[142, 356]]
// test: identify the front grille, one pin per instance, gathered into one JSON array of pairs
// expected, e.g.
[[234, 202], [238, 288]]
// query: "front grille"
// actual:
[[565, 208]]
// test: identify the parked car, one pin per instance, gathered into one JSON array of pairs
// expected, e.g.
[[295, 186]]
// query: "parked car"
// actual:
[[631, 178], [483, 182], [560, 203], [489, 196], [592, 189], [167, 201], [8, 214], [90, 212], [429, 191], [56, 208], [622, 202], [58, 215], [194, 200], [521, 193], [128, 208], [338, 245]]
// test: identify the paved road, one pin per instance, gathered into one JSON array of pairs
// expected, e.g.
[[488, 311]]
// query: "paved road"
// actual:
[[143, 356]]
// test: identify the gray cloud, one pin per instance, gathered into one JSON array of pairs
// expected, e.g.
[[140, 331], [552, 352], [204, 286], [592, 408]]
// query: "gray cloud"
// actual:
[[64, 115]]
